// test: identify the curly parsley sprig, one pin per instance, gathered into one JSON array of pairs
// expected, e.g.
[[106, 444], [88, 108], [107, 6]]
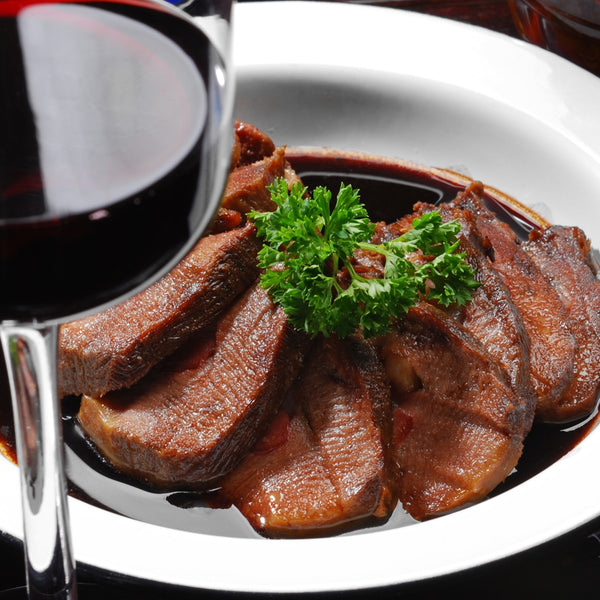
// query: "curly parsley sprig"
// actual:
[[306, 243]]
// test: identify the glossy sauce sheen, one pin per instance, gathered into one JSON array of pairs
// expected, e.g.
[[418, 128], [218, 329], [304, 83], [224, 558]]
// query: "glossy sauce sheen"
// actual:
[[388, 192], [104, 128]]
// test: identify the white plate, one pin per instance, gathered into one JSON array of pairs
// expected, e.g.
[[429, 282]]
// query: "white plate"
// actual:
[[439, 93]]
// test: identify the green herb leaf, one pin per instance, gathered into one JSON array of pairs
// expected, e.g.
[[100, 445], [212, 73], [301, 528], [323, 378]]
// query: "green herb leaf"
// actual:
[[307, 242]]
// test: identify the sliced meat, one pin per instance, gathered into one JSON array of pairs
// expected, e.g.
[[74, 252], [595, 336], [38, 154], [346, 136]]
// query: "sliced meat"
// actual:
[[117, 347], [552, 346], [246, 188], [491, 317], [252, 144], [189, 423], [458, 425], [563, 255], [226, 219], [325, 464]]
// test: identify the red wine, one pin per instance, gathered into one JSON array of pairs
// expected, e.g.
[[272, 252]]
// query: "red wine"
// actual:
[[110, 159]]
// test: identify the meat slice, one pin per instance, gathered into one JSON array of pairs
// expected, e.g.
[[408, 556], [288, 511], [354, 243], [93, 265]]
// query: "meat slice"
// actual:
[[491, 317], [551, 343], [226, 219], [325, 465], [458, 425], [117, 347], [190, 422], [246, 188], [251, 145], [563, 254]]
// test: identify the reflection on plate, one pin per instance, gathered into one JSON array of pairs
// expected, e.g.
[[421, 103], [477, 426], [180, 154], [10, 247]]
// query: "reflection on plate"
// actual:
[[439, 93]]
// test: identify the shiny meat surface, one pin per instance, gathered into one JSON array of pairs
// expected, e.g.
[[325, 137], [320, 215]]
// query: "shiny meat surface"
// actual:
[[563, 254], [251, 144], [433, 415], [551, 343], [458, 425], [115, 348], [247, 185], [326, 462], [491, 316], [191, 421]]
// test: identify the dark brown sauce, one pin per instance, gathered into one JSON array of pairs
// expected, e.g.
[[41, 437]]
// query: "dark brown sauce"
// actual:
[[388, 191]]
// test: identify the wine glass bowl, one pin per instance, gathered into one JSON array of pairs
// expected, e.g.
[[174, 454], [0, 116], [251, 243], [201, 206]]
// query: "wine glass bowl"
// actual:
[[116, 141], [121, 153]]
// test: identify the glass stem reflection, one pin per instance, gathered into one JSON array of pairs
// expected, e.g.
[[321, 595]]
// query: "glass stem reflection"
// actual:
[[30, 353]]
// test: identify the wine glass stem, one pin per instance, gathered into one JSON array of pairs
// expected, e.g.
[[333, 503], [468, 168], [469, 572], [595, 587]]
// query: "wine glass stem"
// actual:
[[30, 353]]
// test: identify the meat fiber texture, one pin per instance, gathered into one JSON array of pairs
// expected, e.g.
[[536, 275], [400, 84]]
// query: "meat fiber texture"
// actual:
[[326, 463], [189, 422], [564, 254], [552, 345], [458, 425], [525, 346], [491, 316], [117, 347], [554, 286], [436, 417]]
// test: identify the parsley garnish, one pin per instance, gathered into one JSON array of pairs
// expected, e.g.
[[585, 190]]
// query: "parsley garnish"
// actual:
[[306, 243]]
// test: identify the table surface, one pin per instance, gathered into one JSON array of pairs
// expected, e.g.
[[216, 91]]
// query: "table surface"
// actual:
[[568, 565]]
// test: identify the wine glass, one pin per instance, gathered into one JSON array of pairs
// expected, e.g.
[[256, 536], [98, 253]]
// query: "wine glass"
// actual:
[[570, 28], [116, 122]]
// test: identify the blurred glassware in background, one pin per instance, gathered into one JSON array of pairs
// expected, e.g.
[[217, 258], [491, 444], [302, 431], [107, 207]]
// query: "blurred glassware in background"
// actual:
[[570, 28]]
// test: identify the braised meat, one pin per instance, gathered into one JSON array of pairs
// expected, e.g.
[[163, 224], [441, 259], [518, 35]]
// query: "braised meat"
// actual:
[[258, 162], [115, 348], [247, 185], [326, 461], [190, 422], [491, 316], [251, 144], [458, 425], [563, 254], [201, 383], [551, 343]]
